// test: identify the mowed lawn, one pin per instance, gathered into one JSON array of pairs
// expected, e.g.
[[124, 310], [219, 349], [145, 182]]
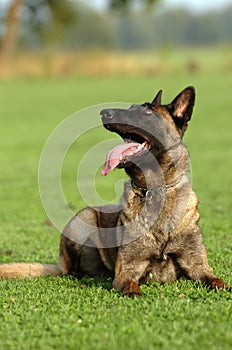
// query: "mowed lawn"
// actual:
[[64, 313]]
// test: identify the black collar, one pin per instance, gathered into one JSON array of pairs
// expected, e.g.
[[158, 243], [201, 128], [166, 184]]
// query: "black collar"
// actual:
[[149, 193]]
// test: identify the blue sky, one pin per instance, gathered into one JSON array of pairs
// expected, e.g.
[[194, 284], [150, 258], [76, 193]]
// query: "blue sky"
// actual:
[[197, 5]]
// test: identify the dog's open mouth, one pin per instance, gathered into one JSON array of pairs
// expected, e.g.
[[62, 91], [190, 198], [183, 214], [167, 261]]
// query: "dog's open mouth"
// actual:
[[122, 154]]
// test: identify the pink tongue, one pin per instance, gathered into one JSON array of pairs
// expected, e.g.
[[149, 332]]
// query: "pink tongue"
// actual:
[[116, 155]]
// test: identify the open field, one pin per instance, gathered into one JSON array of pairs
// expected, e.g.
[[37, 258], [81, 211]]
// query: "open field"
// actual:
[[100, 63], [64, 313]]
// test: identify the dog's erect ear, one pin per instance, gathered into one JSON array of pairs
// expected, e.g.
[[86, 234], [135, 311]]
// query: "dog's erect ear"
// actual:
[[157, 99], [181, 107]]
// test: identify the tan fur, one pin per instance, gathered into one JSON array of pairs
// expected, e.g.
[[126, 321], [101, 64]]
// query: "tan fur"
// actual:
[[22, 270]]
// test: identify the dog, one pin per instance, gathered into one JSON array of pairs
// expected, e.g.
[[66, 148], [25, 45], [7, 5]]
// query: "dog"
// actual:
[[153, 234]]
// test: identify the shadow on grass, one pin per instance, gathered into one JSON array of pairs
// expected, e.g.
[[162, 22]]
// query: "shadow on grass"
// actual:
[[96, 282]]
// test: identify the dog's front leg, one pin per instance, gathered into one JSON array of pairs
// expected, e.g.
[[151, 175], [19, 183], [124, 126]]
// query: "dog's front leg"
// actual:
[[127, 274], [196, 267]]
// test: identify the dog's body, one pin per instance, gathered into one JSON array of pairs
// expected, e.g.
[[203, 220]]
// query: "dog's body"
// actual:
[[154, 232]]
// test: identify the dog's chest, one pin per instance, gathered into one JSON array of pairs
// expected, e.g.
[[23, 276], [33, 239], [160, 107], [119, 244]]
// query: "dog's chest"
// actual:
[[143, 230], [148, 225]]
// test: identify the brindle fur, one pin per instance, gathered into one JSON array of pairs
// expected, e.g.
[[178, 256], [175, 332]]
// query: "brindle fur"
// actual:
[[168, 249]]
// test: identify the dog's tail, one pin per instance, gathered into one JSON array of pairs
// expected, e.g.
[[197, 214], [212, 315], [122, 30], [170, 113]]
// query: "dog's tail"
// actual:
[[23, 270]]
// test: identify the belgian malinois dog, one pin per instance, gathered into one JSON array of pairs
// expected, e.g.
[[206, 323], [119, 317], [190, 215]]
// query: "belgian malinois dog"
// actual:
[[153, 233]]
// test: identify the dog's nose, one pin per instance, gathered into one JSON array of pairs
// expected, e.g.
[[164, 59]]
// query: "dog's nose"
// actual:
[[107, 113]]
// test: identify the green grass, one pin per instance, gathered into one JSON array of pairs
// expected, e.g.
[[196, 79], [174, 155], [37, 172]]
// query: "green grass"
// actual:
[[64, 313]]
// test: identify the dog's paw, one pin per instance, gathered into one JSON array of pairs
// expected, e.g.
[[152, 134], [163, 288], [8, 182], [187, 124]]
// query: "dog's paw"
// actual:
[[217, 283], [131, 290]]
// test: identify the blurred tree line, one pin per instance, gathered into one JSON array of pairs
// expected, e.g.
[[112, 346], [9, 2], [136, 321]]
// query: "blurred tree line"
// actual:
[[74, 25], [46, 22]]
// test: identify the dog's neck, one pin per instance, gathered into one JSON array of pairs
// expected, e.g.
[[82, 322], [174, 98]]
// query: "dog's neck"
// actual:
[[149, 193], [164, 171]]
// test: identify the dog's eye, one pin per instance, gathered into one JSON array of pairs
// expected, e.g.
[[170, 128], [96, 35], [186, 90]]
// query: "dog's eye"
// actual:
[[147, 111]]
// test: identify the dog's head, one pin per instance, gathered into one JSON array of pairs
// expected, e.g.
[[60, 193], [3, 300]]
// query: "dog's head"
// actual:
[[150, 128]]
